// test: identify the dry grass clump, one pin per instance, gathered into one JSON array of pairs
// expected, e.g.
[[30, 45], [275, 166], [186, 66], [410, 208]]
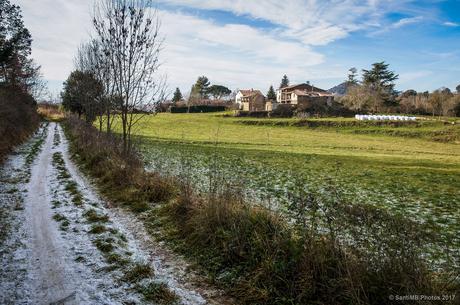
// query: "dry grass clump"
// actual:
[[51, 112], [262, 259], [121, 175]]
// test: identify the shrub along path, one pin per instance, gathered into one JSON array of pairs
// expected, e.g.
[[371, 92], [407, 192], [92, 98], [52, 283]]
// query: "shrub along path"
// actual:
[[61, 244]]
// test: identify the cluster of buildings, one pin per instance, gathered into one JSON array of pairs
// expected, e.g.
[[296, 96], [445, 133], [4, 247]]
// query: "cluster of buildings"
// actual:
[[303, 95]]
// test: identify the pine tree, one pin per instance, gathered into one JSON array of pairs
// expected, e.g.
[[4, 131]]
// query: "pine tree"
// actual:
[[352, 74], [201, 87], [458, 89], [271, 95], [381, 81], [177, 96], [284, 82]]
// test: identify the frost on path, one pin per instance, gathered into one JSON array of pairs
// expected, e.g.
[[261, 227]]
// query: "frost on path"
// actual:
[[50, 251]]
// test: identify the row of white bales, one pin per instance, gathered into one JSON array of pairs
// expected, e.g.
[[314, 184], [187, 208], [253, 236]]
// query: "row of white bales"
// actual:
[[362, 117]]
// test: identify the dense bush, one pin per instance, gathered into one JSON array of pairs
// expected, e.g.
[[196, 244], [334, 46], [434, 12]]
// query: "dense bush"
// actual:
[[252, 114], [198, 109], [18, 117]]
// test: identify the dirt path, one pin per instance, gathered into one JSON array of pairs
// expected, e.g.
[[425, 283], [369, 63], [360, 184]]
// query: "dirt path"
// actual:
[[61, 244], [54, 276]]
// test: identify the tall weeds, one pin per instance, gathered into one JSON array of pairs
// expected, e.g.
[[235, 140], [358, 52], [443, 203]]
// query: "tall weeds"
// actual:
[[121, 175]]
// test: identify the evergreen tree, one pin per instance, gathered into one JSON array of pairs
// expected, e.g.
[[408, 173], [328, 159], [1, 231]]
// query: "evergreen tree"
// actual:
[[271, 95], [218, 91], [381, 81], [177, 96], [201, 87], [81, 90], [458, 89], [284, 82], [16, 68], [352, 74]]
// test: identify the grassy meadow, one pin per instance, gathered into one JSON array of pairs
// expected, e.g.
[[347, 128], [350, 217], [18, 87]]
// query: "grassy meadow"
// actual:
[[408, 168]]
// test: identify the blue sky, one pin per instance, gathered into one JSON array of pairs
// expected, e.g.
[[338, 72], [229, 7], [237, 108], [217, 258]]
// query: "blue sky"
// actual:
[[251, 44]]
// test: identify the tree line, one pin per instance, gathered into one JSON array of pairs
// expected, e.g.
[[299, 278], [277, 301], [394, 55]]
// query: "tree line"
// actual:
[[376, 93], [117, 70], [203, 90], [21, 83]]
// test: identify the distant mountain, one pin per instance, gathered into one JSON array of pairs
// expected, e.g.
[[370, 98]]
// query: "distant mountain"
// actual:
[[339, 89]]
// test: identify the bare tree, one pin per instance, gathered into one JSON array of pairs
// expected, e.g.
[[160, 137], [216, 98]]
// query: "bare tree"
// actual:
[[128, 33]]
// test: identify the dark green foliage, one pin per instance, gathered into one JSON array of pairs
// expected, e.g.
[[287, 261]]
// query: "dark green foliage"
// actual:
[[198, 109], [271, 94], [15, 47], [138, 272], [201, 88], [19, 76], [381, 80], [116, 259], [218, 91], [177, 96], [104, 245], [352, 77], [92, 216], [284, 82], [81, 91], [18, 118], [97, 229], [158, 293], [59, 217]]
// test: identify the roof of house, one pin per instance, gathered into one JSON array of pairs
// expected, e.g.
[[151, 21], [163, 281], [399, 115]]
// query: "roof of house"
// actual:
[[311, 93], [306, 87], [250, 92]]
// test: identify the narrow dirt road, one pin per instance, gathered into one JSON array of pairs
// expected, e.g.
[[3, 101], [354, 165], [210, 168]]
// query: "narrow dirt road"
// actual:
[[54, 275], [61, 244]]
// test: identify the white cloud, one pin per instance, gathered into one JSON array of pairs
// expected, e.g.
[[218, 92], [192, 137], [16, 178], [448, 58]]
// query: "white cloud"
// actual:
[[57, 28], [406, 21], [313, 22], [407, 77], [398, 24], [451, 24], [235, 55]]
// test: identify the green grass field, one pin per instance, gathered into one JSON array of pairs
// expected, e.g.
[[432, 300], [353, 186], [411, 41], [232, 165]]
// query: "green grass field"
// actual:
[[413, 169]]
